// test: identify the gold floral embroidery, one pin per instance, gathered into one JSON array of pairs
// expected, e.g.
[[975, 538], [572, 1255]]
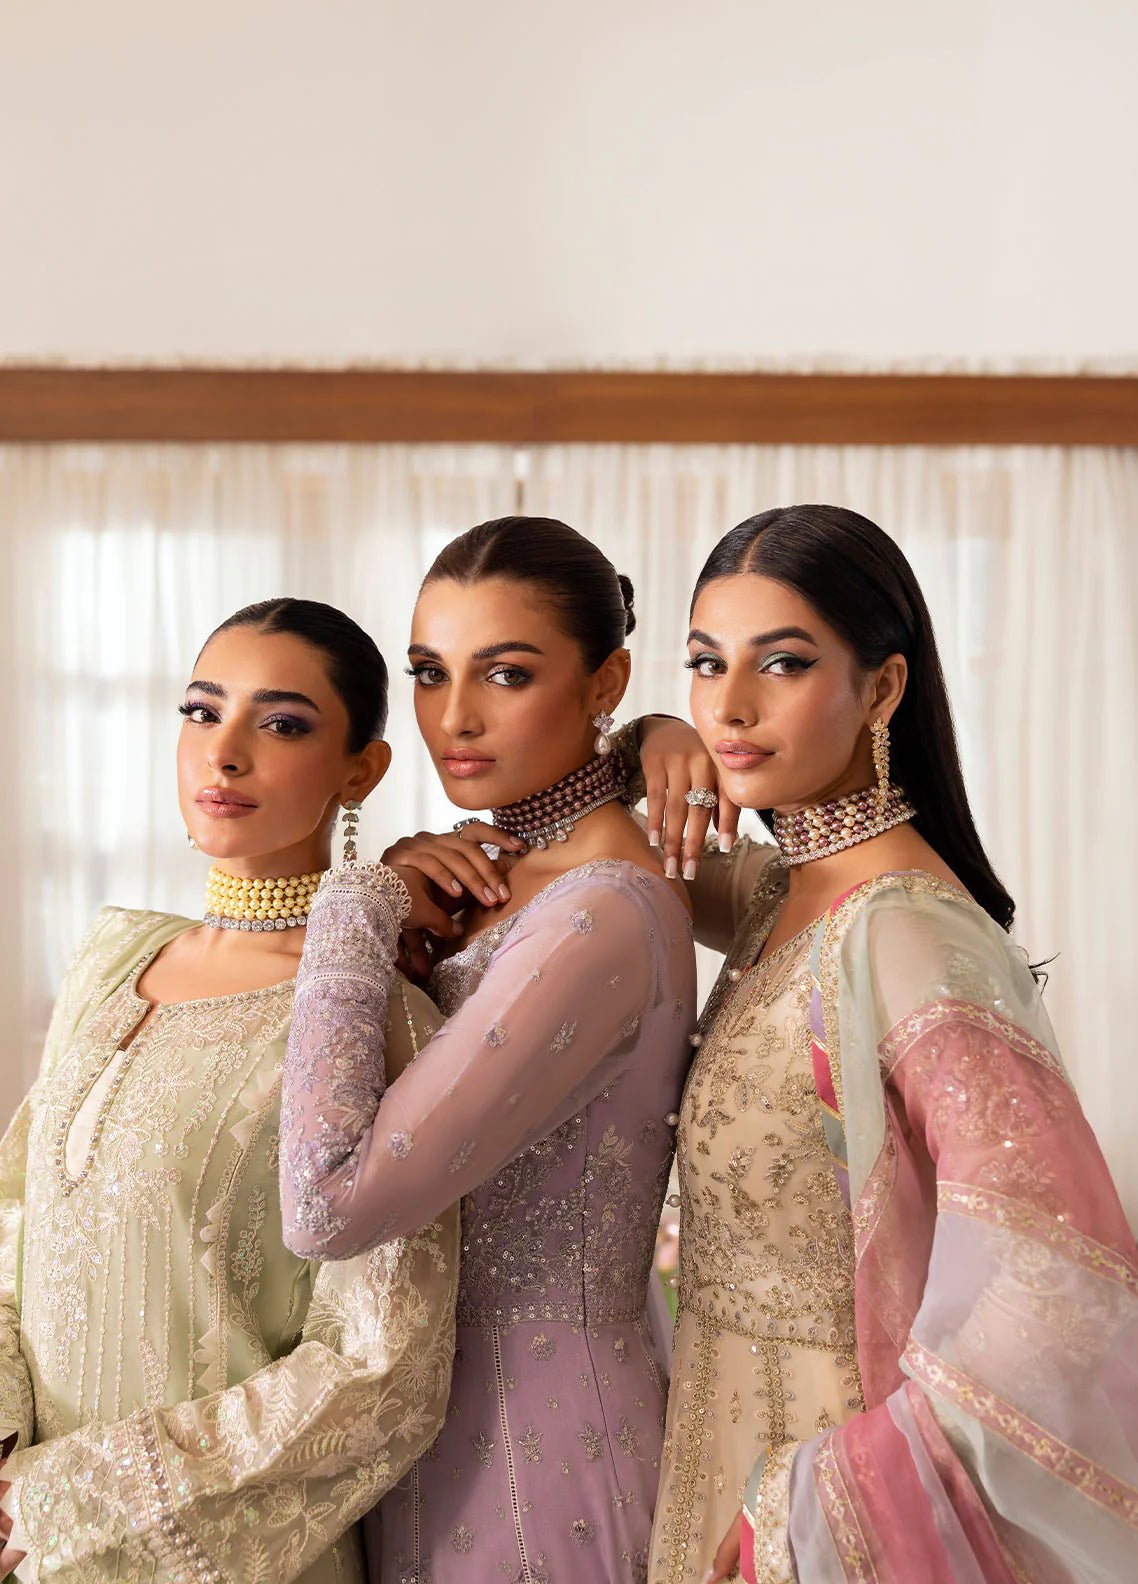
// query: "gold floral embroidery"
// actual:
[[1093, 1481], [1015, 1216], [841, 1517], [766, 1323]]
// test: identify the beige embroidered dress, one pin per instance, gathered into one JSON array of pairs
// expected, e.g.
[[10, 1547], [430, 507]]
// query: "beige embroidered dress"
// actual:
[[192, 1401], [764, 1347]]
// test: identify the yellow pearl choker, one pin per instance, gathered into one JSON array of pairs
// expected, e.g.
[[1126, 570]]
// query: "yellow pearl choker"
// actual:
[[232, 902]]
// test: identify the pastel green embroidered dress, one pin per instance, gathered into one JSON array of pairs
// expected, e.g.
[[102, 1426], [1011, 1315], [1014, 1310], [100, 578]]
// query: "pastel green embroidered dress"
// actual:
[[193, 1401]]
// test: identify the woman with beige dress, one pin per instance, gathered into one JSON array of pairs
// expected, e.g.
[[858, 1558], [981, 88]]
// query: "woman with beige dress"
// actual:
[[907, 1339]]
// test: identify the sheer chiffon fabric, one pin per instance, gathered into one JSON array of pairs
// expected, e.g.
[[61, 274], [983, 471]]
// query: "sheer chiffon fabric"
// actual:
[[996, 1280], [547, 1102]]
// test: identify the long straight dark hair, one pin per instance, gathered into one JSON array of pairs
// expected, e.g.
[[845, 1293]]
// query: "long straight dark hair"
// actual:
[[861, 585]]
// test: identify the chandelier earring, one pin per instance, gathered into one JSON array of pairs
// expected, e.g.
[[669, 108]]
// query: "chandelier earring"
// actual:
[[351, 829], [880, 733], [604, 723]]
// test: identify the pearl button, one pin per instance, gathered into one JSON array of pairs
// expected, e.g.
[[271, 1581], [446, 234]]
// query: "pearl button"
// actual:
[[672, 1119], [695, 1040], [735, 975], [673, 1200]]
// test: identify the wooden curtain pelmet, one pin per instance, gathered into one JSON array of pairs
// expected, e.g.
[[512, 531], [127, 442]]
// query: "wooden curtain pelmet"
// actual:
[[375, 406]]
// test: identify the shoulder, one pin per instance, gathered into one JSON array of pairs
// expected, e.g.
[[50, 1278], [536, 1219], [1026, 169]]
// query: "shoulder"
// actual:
[[119, 934], [115, 943], [609, 893], [910, 905], [920, 938]]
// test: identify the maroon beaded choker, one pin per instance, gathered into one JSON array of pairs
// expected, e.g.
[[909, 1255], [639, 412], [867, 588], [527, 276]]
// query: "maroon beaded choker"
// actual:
[[828, 828], [551, 815]]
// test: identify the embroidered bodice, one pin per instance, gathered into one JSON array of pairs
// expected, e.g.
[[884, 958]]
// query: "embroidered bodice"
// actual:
[[536, 1100]]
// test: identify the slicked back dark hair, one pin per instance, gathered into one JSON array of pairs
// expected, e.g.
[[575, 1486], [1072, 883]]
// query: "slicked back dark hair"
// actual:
[[356, 669], [862, 586], [590, 599]]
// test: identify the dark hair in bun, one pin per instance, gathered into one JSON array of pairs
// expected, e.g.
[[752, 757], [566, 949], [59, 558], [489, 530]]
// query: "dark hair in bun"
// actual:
[[629, 593], [356, 669], [592, 603]]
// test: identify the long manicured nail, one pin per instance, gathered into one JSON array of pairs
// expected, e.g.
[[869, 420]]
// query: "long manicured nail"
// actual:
[[456, 887], [504, 893], [490, 895], [689, 869], [726, 841], [671, 868], [654, 838]]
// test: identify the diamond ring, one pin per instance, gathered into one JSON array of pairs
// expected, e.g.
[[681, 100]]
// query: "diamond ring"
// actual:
[[702, 797]]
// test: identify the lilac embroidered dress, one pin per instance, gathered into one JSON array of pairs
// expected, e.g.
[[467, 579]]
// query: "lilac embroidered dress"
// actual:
[[547, 1103]]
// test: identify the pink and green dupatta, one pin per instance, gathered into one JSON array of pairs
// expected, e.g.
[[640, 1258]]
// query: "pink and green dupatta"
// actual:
[[996, 1283]]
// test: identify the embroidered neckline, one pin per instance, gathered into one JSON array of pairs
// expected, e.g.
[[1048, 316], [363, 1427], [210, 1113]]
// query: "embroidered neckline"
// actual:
[[157, 1007], [136, 1010]]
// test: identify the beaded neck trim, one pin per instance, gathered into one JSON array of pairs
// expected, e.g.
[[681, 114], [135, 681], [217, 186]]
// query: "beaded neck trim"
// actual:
[[551, 815], [232, 902], [829, 828]]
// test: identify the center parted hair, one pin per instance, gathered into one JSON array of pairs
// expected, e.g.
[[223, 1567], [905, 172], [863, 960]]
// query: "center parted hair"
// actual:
[[862, 586], [590, 599], [356, 669]]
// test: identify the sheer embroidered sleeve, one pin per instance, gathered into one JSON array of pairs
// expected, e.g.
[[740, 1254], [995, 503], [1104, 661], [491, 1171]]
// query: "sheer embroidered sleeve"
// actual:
[[554, 1019], [722, 888], [996, 1280]]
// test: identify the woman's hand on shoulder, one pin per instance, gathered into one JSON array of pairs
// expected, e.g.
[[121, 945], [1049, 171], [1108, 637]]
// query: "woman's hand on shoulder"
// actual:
[[675, 762], [445, 873]]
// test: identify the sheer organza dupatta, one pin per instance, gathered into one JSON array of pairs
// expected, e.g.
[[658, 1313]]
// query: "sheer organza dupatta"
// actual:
[[996, 1283]]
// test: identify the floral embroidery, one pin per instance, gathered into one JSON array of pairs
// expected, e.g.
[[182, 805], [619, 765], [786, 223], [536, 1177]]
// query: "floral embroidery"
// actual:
[[766, 1316], [129, 1333]]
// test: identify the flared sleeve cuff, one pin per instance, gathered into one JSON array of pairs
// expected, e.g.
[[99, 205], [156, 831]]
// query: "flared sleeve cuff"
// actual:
[[228, 1489]]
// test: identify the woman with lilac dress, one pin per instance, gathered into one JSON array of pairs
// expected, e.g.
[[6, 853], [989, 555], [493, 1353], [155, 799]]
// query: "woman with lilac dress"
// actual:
[[547, 1101]]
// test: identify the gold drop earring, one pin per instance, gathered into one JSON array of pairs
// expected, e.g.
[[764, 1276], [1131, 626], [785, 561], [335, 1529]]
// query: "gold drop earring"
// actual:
[[880, 734], [351, 829]]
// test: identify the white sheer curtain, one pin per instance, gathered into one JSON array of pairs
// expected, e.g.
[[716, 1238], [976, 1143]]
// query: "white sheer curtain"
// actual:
[[1029, 560], [118, 561]]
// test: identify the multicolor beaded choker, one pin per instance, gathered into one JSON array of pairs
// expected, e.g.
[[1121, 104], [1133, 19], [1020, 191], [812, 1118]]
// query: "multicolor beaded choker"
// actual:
[[551, 815], [828, 828], [232, 902]]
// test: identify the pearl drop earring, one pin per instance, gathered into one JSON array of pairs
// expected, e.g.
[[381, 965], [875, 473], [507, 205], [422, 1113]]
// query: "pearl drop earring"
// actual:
[[604, 723]]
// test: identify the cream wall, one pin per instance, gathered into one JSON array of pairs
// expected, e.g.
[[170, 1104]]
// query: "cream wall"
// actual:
[[493, 180]]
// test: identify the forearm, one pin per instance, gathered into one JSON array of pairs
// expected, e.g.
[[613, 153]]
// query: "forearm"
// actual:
[[225, 1486], [335, 1073]]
